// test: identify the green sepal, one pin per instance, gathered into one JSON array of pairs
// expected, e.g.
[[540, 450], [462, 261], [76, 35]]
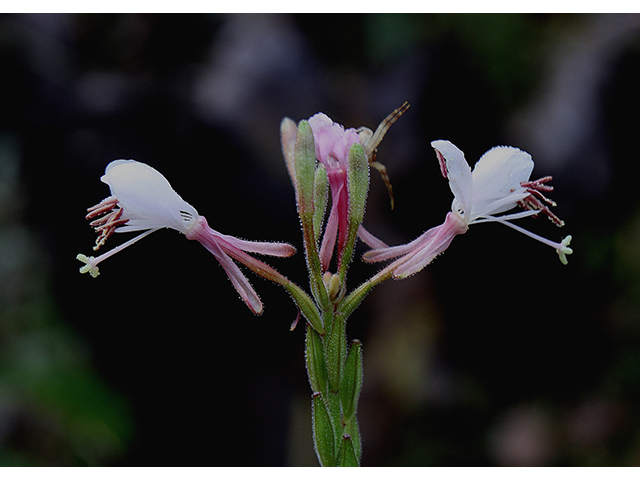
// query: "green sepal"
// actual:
[[320, 198], [316, 365], [358, 185], [323, 437], [351, 383], [354, 299], [347, 456], [335, 346]]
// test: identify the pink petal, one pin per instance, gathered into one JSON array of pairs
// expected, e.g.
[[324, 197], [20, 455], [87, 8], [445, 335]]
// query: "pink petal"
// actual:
[[274, 249], [239, 281], [209, 239], [382, 254], [329, 238], [369, 239], [439, 240]]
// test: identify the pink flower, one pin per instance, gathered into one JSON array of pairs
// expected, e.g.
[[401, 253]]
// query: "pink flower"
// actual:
[[142, 200], [499, 182], [333, 143]]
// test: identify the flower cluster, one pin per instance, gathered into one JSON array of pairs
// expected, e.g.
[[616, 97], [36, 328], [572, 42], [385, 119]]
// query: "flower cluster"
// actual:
[[330, 163]]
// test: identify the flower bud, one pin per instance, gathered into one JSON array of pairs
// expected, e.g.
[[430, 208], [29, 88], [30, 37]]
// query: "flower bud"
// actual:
[[358, 186], [333, 284], [358, 179], [288, 130], [304, 166]]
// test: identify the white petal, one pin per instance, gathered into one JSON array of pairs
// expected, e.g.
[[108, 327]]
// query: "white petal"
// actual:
[[459, 174], [147, 197], [497, 175]]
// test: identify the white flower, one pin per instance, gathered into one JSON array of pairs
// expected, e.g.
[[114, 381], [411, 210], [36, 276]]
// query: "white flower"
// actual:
[[499, 182], [142, 199]]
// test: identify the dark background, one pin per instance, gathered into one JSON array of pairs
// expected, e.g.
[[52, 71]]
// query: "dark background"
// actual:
[[496, 354]]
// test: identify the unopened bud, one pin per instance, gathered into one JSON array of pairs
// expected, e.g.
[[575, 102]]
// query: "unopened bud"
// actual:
[[333, 284]]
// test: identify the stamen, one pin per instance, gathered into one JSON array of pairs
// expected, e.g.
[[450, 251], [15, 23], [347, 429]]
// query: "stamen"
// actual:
[[536, 200], [110, 220], [104, 206], [106, 225]]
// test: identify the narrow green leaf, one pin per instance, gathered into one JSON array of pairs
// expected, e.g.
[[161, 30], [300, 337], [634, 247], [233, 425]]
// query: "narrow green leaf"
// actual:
[[348, 456], [351, 381], [351, 428], [322, 432], [316, 366], [335, 351], [306, 306]]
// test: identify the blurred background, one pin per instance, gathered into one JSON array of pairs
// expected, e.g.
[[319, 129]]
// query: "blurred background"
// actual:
[[496, 354]]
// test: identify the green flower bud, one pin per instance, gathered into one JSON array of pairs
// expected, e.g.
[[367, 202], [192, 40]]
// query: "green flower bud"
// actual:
[[304, 166], [358, 184]]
